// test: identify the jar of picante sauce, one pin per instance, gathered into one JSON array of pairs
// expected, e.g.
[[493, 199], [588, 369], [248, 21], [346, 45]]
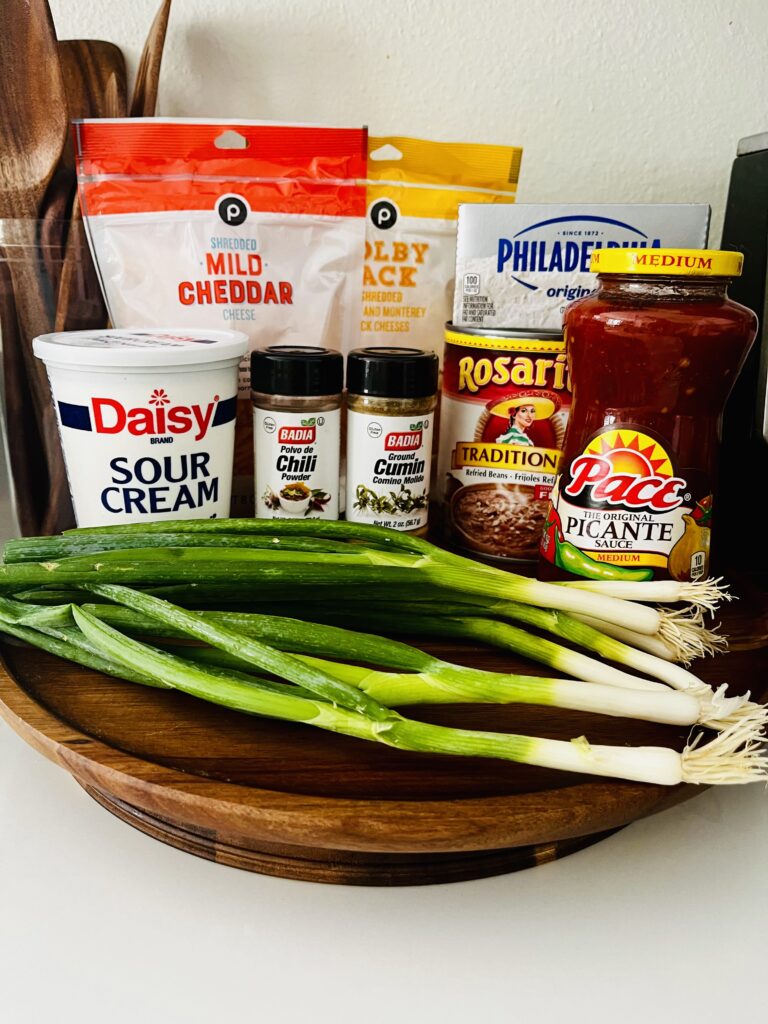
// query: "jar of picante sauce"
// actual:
[[653, 355]]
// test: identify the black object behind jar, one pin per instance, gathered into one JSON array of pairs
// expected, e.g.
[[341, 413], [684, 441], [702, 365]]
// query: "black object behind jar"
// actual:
[[744, 453], [297, 370], [392, 372]]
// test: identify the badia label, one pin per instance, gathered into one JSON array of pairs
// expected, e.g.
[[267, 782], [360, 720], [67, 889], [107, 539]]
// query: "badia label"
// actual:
[[297, 464], [388, 468], [622, 510]]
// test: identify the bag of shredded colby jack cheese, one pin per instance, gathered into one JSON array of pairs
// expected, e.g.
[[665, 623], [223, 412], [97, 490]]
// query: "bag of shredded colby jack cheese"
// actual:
[[252, 226], [414, 190]]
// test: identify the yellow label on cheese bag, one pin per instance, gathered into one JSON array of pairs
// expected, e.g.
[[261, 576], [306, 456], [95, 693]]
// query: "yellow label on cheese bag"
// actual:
[[414, 189]]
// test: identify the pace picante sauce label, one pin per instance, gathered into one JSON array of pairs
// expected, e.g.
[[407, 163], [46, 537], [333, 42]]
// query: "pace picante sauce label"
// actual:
[[504, 410], [622, 509]]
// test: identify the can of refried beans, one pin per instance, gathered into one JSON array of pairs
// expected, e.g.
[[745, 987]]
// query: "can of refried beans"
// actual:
[[504, 409]]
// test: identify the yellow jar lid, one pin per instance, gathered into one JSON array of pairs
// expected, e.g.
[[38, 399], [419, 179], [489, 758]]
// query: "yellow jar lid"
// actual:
[[670, 262]]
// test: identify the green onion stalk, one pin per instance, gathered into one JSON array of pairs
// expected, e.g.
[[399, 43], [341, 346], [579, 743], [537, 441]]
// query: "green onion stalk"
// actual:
[[240, 556], [729, 758], [157, 563], [425, 679], [290, 633], [717, 709], [399, 689], [704, 593], [681, 637], [65, 641], [49, 549], [438, 680], [476, 621], [455, 686], [259, 569]]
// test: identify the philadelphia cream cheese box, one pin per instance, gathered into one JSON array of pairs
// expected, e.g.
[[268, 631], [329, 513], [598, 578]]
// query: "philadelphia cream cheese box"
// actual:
[[520, 265]]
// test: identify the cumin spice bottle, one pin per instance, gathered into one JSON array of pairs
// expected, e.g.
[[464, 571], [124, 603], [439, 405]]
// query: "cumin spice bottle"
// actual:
[[392, 393]]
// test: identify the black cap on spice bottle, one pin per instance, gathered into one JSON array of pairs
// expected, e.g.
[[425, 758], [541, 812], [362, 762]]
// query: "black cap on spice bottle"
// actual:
[[392, 372], [297, 370]]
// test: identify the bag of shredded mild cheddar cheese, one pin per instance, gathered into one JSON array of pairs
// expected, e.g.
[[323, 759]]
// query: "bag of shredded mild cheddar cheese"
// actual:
[[414, 190], [247, 225]]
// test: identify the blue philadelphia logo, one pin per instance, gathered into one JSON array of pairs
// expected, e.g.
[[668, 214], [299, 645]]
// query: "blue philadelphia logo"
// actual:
[[522, 254]]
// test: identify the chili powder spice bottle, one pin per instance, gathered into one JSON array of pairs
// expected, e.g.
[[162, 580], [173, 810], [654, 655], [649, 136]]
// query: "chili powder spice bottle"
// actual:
[[392, 393], [653, 354], [296, 394]]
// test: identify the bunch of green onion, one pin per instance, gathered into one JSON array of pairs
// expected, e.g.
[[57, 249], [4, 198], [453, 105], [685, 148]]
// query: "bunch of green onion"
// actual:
[[89, 594]]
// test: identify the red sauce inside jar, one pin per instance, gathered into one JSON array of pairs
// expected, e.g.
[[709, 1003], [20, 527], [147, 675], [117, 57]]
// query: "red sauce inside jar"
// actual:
[[653, 355]]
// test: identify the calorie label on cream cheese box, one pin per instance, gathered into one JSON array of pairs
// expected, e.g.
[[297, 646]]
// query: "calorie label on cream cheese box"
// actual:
[[388, 469], [520, 265], [297, 464]]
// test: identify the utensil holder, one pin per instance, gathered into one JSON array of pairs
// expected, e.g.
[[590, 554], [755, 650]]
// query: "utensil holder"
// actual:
[[48, 252]]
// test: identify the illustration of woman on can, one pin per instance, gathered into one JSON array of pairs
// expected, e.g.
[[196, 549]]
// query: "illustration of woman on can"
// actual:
[[521, 412]]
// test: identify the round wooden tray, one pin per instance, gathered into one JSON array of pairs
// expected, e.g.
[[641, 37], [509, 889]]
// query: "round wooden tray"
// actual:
[[293, 801]]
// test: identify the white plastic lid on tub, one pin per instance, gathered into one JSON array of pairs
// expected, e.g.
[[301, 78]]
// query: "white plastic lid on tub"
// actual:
[[138, 347]]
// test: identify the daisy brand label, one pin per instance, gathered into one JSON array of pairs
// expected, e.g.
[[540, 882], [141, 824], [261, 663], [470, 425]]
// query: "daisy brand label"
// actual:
[[622, 509], [297, 464], [150, 451]]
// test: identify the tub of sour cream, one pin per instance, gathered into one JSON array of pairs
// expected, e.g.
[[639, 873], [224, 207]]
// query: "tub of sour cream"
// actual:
[[147, 420]]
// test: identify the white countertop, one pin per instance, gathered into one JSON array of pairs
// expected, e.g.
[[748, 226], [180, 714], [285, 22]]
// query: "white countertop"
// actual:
[[664, 921]]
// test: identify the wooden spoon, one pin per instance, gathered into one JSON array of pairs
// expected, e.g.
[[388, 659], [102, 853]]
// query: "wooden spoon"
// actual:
[[95, 78], [33, 122], [88, 66], [54, 221], [30, 479], [144, 100]]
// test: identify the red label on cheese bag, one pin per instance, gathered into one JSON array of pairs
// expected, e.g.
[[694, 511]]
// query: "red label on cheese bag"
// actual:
[[247, 226]]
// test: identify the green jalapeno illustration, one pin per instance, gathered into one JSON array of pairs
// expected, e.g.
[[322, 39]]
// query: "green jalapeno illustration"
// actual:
[[573, 560]]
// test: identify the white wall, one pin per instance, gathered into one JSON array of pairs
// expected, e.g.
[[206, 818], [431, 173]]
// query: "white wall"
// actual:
[[612, 100]]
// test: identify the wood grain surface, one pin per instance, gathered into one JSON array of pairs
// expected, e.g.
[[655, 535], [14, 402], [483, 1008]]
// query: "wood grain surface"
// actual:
[[33, 127], [146, 86], [293, 801]]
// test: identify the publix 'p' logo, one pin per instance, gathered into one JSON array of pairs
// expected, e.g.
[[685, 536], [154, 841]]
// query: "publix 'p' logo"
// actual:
[[383, 214], [233, 209]]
